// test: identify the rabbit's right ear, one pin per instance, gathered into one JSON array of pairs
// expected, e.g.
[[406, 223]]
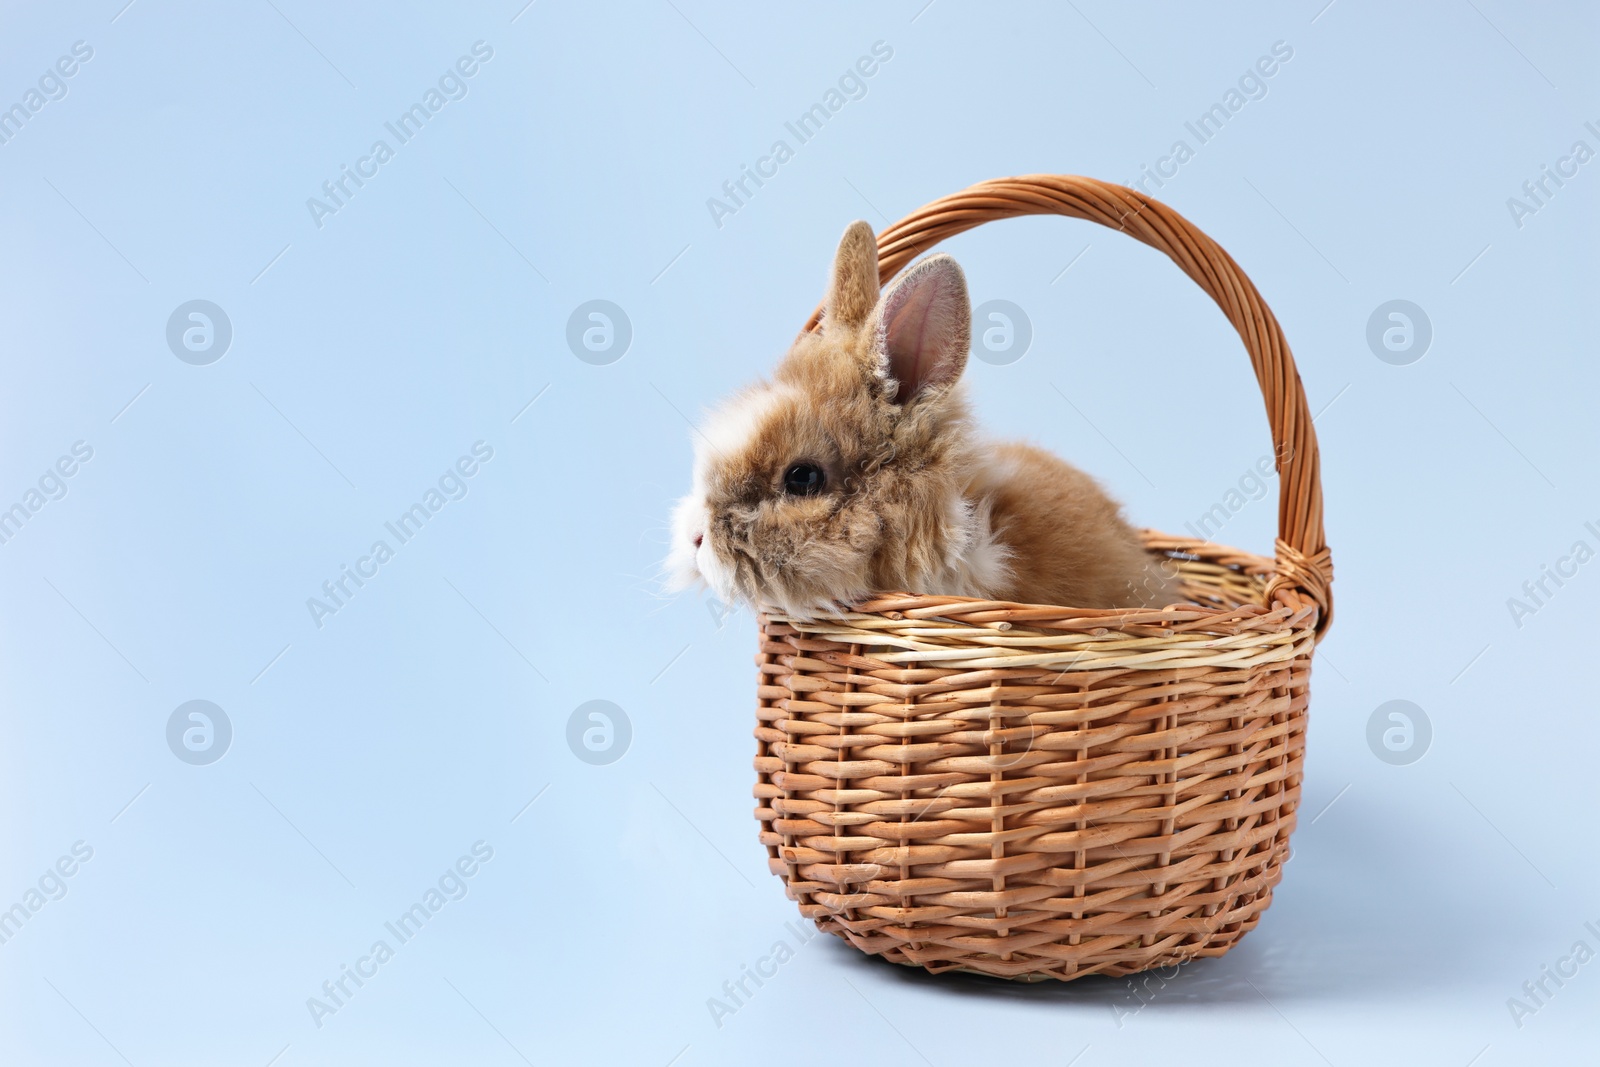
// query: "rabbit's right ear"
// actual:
[[922, 328], [853, 289]]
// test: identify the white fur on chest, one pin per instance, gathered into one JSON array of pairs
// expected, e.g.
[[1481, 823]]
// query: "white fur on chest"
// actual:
[[979, 564]]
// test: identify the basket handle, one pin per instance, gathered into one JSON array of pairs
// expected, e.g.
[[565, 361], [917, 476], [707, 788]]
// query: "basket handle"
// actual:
[[1303, 562]]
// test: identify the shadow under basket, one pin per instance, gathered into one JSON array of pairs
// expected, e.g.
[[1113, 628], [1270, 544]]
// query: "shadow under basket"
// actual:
[[1034, 792]]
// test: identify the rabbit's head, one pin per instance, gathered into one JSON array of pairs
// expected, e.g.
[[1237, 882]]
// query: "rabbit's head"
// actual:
[[843, 475]]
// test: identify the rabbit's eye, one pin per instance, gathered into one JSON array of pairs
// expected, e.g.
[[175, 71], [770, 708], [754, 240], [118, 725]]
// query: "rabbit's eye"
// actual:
[[803, 479]]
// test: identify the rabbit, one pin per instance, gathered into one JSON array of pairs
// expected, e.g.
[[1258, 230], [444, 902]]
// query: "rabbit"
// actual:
[[857, 469]]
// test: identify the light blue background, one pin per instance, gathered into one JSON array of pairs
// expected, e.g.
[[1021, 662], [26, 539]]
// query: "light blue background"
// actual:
[[370, 353]]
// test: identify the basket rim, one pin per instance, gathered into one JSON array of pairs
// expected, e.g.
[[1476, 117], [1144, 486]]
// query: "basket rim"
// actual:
[[1279, 611]]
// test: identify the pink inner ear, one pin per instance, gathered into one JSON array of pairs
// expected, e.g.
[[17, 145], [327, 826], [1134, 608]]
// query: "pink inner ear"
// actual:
[[925, 329], [906, 338]]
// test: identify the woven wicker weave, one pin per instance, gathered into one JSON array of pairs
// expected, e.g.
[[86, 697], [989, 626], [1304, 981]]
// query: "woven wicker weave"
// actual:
[[1040, 792]]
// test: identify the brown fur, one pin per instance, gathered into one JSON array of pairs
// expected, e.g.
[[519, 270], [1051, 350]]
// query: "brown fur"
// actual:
[[1071, 542], [912, 500]]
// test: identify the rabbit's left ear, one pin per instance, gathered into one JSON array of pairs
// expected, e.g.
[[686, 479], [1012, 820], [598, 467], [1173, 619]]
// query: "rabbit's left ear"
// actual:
[[922, 328], [853, 289]]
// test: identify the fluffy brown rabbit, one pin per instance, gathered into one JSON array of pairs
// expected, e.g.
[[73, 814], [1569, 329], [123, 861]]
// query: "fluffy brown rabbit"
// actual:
[[857, 470]]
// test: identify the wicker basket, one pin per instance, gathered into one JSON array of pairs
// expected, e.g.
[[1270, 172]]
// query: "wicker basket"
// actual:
[[1032, 791]]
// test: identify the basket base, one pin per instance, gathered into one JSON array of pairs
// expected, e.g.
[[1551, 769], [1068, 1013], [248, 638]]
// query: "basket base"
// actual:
[[1028, 973]]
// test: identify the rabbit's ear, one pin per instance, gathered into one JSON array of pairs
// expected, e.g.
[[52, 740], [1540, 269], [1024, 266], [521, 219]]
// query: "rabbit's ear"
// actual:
[[922, 328], [853, 289]]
